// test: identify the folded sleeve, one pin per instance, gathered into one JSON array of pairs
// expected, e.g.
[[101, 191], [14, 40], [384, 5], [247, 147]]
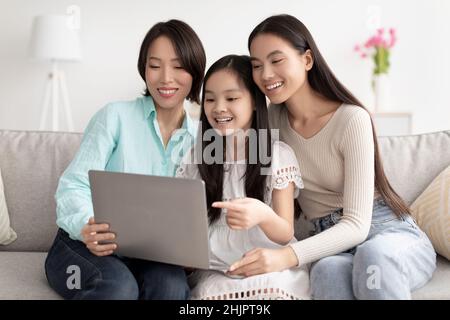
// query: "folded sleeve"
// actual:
[[285, 169], [73, 195]]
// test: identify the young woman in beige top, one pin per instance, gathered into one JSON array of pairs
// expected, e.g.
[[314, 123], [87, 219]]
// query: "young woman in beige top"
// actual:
[[365, 244]]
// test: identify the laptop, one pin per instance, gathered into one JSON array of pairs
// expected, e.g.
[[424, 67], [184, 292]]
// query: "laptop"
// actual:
[[154, 218]]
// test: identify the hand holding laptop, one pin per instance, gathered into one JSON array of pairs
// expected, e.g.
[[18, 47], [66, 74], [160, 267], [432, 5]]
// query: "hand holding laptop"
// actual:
[[94, 234], [155, 218]]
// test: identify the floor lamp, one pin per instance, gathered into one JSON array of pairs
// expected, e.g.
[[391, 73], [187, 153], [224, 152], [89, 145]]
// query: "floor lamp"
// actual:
[[53, 39]]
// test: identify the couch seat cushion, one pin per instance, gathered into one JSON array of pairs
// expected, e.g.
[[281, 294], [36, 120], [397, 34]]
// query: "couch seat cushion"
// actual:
[[22, 276], [438, 287]]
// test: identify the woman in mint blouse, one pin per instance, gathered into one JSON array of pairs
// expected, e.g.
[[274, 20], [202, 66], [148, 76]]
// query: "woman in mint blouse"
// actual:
[[148, 135]]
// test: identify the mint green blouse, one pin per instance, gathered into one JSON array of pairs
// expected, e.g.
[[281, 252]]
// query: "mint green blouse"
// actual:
[[121, 137]]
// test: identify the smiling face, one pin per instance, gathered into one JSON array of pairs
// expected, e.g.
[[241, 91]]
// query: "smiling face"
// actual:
[[279, 70], [168, 83], [228, 104]]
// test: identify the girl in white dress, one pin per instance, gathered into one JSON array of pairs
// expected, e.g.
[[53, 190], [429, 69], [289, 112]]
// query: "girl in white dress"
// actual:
[[251, 183]]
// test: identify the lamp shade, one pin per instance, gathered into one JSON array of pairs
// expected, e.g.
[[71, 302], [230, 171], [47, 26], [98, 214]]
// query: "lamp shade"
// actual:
[[52, 38]]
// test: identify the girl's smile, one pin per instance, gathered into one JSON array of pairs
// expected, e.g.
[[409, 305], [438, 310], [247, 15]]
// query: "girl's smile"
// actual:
[[228, 105]]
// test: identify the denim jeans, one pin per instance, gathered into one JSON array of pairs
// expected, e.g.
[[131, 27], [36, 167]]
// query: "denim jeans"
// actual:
[[395, 259], [110, 277]]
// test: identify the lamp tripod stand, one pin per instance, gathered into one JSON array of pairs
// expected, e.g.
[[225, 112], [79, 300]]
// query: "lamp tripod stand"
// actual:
[[54, 90]]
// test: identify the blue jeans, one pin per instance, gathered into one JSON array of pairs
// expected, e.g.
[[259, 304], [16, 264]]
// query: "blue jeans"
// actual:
[[111, 277], [395, 259]]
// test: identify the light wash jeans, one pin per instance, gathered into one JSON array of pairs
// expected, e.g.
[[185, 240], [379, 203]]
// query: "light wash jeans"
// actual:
[[395, 259]]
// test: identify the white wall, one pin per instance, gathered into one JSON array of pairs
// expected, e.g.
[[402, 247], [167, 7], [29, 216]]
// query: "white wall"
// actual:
[[111, 33]]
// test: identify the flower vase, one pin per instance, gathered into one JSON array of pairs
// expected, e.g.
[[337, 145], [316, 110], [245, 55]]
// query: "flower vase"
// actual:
[[381, 89]]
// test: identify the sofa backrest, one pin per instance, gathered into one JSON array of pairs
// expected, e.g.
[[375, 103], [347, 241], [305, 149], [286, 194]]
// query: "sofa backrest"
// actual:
[[412, 162], [32, 163]]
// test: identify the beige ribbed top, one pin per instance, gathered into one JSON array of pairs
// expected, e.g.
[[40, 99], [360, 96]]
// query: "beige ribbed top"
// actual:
[[337, 167]]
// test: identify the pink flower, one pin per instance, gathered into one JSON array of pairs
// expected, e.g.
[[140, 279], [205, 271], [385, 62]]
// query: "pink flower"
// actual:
[[378, 41], [370, 43], [392, 42], [383, 38]]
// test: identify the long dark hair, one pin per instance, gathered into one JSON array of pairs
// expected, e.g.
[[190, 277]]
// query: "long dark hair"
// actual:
[[188, 48], [212, 174], [323, 81]]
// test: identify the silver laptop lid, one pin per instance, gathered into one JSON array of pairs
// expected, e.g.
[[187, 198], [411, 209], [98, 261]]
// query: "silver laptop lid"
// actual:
[[154, 218]]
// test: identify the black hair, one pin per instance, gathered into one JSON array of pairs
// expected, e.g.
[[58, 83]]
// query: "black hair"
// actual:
[[323, 81], [212, 174], [188, 47]]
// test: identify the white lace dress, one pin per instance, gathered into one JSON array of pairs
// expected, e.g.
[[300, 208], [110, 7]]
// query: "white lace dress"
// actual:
[[228, 246]]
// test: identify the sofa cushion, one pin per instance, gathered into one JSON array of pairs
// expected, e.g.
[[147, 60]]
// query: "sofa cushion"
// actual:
[[412, 162], [432, 212], [32, 163], [438, 287], [7, 234], [22, 276]]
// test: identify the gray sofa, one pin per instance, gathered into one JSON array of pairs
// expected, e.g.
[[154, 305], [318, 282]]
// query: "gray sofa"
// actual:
[[32, 163]]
